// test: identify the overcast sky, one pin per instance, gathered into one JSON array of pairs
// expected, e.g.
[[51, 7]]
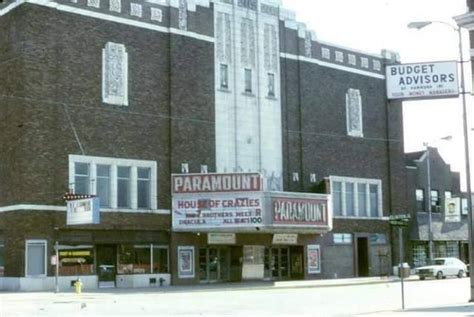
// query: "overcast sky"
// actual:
[[373, 25]]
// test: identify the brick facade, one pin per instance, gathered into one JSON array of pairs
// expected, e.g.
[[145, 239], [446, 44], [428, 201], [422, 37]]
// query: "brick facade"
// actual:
[[52, 107]]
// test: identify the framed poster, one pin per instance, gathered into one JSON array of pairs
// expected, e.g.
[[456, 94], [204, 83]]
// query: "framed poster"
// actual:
[[185, 261], [314, 259]]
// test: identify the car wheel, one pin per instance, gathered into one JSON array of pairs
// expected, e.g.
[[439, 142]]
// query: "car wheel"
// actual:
[[422, 278], [439, 275], [460, 274]]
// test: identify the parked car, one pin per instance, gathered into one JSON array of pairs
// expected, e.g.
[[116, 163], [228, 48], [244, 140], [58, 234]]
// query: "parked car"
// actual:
[[442, 267]]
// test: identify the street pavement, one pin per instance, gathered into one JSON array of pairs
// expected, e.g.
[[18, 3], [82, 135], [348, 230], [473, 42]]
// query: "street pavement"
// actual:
[[344, 297]]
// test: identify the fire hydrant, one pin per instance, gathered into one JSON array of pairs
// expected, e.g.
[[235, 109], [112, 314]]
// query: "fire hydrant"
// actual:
[[78, 286]]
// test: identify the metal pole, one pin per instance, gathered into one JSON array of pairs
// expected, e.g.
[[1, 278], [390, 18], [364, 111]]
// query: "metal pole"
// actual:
[[468, 165], [400, 242], [57, 267], [428, 196]]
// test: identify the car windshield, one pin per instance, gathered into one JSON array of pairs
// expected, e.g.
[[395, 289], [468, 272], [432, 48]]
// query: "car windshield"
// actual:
[[438, 262]]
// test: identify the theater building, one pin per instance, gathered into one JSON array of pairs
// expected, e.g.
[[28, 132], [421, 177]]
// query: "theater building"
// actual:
[[224, 140]]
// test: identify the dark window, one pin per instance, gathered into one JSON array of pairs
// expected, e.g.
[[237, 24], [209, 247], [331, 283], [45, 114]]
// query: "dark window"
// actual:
[[224, 76], [420, 200], [103, 185], [374, 200], [271, 85], [337, 198], [435, 203], [123, 187], [248, 80], [82, 178], [143, 187]]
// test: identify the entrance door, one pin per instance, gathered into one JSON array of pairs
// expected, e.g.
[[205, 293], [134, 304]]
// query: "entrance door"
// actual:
[[214, 264], [277, 263], [362, 257], [106, 264]]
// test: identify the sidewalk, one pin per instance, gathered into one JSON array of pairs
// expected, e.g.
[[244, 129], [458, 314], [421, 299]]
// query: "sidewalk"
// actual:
[[257, 285], [458, 310]]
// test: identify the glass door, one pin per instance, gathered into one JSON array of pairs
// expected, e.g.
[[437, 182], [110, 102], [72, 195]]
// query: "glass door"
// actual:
[[214, 264], [106, 265], [277, 263]]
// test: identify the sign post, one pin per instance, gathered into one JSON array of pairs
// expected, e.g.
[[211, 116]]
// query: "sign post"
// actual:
[[56, 279], [400, 221]]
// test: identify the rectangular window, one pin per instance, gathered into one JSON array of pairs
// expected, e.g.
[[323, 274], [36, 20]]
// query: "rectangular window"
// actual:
[[119, 183], [142, 259], [420, 200], [350, 199], [448, 194], [123, 187], [160, 259], [76, 260], [420, 255], [435, 203], [35, 258], [356, 197], [337, 198], [339, 56], [374, 200], [134, 259], [103, 185], [248, 80], [143, 188], [82, 178], [271, 85], [224, 76], [342, 238], [362, 199]]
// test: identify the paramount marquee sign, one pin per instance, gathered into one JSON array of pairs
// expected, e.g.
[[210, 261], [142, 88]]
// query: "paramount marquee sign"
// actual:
[[422, 80], [299, 211], [237, 202], [206, 183]]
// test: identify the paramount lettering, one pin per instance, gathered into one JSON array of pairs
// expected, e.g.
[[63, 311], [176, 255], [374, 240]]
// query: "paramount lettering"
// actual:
[[199, 183], [299, 211]]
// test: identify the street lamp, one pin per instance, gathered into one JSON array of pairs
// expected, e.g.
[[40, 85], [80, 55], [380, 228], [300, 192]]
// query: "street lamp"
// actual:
[[428, 190], [419, 25]]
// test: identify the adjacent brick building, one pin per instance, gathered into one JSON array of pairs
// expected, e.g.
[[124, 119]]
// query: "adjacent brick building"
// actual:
[[437, 196], [112, 97]]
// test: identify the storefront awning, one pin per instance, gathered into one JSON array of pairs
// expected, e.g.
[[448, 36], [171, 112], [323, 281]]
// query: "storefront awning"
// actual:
[[442, 231]]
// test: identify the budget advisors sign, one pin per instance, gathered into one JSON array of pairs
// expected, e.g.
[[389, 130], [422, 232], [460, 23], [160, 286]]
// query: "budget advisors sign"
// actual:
[[422, 81]]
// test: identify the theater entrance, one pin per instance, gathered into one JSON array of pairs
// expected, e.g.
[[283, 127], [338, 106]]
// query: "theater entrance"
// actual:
[[214, 264], [284, 263]]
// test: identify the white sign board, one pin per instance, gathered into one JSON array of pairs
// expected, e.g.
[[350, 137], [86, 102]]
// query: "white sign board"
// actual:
[[285, 238], [422, 80], [83, 211], [221, 238], [217, 211], [452, 210]]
